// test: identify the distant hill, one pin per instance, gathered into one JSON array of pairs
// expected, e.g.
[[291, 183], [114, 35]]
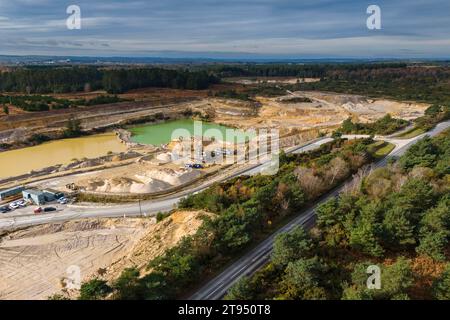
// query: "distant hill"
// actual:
[[176, 58]]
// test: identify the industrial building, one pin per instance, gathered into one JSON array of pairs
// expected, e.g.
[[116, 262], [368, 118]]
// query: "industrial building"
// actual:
[[41, 197], [35, 196], [51, 194], [4, 194]]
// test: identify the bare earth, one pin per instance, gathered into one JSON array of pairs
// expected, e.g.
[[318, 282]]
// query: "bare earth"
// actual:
[[34, 262]]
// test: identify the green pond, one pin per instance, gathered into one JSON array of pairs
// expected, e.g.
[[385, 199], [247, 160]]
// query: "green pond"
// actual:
[[157, 134]]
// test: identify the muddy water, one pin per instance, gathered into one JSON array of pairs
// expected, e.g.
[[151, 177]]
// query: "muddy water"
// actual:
[[21, 161]]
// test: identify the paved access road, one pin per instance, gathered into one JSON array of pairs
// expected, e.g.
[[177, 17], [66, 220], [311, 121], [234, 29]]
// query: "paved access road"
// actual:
[[259, 256]]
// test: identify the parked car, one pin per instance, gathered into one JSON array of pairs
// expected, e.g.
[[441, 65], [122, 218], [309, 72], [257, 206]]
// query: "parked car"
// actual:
[[48, 209], [22, 203], [197, 166], [13, 205], [4, 209], [62, 200], [38, 210]]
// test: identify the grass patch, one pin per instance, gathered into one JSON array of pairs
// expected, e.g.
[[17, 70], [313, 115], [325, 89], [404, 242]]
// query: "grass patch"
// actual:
[[380, 149], [414, 132]]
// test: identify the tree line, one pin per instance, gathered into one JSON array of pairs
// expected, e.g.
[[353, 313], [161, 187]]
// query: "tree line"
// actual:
[[313, 70], [74, 79], [33, 103]]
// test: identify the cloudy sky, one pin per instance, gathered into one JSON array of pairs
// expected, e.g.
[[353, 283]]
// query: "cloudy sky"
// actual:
[[227, 28]]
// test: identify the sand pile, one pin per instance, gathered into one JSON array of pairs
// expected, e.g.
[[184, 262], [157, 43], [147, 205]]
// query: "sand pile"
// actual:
[[144, 181]]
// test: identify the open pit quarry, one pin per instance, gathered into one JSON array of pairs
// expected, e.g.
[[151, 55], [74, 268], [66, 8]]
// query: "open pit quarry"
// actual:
[[319, 111]]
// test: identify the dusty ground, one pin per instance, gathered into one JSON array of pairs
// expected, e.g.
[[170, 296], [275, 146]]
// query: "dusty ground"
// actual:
[[34, 262], [324, 110], [365, 109]]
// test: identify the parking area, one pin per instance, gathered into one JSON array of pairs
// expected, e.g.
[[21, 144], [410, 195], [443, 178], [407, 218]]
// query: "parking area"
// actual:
[[22, 207], [32, 209]]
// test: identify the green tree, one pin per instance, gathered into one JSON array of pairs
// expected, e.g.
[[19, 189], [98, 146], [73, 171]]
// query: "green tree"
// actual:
[[435, 230], [423, 154], [398, 228], [302, 280], [366, 233], [241, 290], [94, 289], [128, 285], [6, 110], [417, 195], [441, 286], [407, 208], [336, 217], [348, 126], [396, 279], [156, 287], [291, 246], [433, 110], [433, 244]]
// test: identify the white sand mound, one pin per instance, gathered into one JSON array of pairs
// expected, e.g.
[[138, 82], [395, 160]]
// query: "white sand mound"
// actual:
[[164, 157], [148, 181], [170, 176]]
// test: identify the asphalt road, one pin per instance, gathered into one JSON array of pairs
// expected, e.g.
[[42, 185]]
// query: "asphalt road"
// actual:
[[260, 255]]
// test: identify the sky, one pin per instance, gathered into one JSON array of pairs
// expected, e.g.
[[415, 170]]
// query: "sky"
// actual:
[[227, 28]]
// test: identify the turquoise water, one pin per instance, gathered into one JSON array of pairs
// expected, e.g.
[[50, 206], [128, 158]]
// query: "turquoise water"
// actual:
[[162, 133]]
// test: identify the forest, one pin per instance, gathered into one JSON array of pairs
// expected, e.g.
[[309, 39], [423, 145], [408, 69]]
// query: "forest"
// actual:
[[310, 70], [245, 209], [74, 79], [397, 218], [405, 83]]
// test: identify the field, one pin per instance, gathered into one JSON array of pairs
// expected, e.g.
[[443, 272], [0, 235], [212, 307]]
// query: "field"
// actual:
[[414, 132]]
